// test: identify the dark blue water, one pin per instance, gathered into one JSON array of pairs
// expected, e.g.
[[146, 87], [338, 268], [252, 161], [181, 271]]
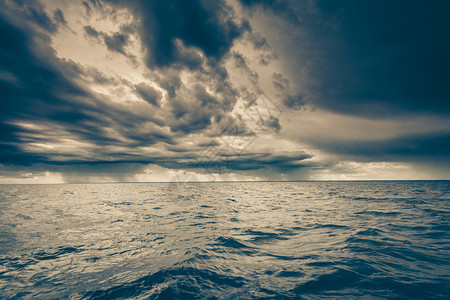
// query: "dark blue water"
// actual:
[[298, 240]]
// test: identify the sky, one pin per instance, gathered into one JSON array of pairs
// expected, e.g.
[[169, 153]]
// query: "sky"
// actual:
[[142, 91]]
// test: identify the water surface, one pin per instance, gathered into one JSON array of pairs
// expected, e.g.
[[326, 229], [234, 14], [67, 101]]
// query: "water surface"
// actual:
[[273, 240]]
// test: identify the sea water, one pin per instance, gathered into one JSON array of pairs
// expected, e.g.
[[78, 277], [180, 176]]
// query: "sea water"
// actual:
[[237, 240]]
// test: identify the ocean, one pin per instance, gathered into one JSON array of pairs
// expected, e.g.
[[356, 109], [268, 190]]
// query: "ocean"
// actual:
[[236, 240]]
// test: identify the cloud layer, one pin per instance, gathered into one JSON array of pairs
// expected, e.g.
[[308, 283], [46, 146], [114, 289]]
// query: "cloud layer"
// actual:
[[237, 89]]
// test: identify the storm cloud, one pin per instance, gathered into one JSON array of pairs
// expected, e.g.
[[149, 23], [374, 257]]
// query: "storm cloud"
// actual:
[[208, 26], [371, 57], [268, 89]]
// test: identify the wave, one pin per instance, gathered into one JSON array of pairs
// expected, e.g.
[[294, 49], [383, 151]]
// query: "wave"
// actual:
[[238, 241], [173, 283]]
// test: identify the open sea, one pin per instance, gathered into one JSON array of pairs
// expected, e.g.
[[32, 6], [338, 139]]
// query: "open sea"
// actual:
[[237, 240]]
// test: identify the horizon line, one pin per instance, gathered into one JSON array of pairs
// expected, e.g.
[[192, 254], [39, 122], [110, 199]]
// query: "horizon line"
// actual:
[[227, 181]]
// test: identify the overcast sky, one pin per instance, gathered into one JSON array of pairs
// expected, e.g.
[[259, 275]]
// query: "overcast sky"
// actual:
[[120, 90]]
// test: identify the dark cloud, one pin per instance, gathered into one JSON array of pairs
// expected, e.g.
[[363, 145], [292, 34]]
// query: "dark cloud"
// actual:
[[369, 59], [266, 3], [219, 160], [31, 12], [295, 102], [91, 32], [45, 105], [59, 17], [40, 17], [241, 63], [372, 58], [290, 99], [148, 93], [400, 62], [188, 57], [266, 53], [205, 25], [195, 36], [35, 93], [280, 82], [273, 123], [287, 8], [430, 147], [276, 5], [203, 105], [196, 114], [92, 5], [87, 7], [98, 77], [259, 42], [171, 82], [115, 42], [254, 161], [377, 58]]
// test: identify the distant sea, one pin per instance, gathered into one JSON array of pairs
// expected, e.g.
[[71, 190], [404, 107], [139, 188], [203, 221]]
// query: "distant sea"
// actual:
[[237, 240]]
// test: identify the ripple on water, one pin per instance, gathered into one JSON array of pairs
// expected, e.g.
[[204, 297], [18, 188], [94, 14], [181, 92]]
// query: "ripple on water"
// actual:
[[310, 240]]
